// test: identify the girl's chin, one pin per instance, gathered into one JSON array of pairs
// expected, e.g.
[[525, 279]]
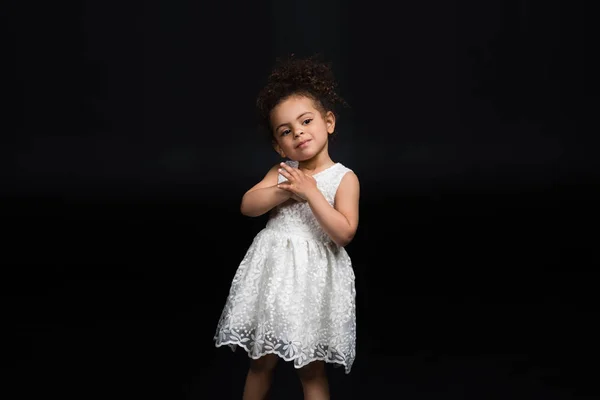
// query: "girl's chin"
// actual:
[[304, 154]]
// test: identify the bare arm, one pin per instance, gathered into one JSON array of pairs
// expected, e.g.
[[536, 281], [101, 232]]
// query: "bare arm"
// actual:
[[339, 222], [264, 195]]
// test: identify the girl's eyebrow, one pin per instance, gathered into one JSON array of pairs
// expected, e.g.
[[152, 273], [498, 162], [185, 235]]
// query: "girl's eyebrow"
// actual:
[[299, 116]]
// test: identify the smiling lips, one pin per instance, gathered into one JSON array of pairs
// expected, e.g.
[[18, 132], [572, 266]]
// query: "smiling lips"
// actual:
[[303, 144]]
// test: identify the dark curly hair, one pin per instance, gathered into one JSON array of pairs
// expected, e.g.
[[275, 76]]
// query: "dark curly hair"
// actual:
[[309, 77]]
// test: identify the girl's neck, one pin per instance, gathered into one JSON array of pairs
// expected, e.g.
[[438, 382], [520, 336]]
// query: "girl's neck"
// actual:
[[316, 164]]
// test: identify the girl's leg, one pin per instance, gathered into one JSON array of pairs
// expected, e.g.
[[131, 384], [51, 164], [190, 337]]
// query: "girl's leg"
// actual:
[[258, 380], [314, 381]]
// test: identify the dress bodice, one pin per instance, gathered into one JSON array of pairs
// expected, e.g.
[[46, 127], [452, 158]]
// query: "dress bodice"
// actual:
[[293, 217]]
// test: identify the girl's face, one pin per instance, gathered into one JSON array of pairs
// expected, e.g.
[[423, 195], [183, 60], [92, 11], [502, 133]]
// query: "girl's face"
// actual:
[[300, 130]]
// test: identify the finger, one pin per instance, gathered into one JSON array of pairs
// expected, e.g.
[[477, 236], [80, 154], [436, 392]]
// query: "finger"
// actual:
[[290, 170], [285, 174], [285, 166]]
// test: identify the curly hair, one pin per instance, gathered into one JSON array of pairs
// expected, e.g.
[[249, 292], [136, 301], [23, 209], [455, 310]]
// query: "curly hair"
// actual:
[[298, 76]]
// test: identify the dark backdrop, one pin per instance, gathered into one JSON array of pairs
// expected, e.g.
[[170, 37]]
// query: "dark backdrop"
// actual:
[[129, 139]]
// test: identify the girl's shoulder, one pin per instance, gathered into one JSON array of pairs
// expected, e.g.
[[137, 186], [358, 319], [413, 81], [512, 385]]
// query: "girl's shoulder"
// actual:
[[343, 167], [334, 176], [342, 170]]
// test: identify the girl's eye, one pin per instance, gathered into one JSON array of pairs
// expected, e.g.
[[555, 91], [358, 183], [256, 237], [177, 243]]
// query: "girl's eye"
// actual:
[[285, 132], [307, 121]]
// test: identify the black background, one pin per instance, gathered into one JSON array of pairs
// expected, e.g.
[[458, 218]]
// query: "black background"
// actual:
[[129, 139]]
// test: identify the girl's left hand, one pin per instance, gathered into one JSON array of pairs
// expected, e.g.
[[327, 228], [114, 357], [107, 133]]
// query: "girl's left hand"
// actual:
[[298, 183]]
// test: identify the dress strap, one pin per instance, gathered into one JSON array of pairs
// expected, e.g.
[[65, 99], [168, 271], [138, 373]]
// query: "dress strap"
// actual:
[[337, 175]]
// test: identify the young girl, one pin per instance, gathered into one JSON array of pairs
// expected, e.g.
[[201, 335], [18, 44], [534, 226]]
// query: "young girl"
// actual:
[[293, 295]]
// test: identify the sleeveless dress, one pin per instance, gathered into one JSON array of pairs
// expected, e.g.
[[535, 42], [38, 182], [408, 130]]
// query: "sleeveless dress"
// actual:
[[293, 294]]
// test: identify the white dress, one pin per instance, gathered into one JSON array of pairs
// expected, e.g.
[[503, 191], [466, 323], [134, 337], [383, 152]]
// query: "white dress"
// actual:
[[293, 294]]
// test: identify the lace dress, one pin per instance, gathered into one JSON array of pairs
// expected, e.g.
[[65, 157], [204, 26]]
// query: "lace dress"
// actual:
[[293, 294]]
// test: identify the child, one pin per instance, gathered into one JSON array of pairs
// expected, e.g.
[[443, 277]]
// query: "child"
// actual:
[[293, 295]]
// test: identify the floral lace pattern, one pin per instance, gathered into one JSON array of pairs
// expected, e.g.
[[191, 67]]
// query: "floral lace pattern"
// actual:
[[293, 294]]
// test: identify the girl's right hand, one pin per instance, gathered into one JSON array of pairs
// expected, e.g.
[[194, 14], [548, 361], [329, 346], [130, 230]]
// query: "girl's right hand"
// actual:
[[295, 197]]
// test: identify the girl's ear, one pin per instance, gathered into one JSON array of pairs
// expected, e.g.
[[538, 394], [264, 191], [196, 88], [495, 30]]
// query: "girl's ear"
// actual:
[[278, 149], [330, 122]]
